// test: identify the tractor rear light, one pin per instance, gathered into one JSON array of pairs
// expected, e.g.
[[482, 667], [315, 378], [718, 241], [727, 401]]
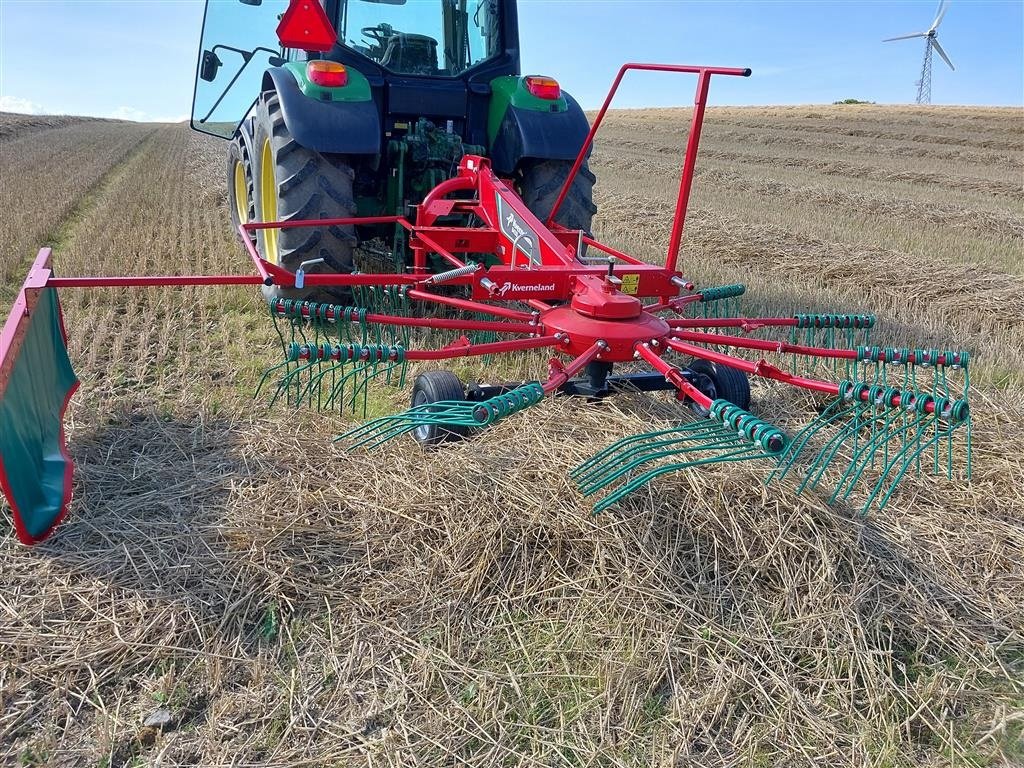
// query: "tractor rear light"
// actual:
[[544, 88], [327, 74]]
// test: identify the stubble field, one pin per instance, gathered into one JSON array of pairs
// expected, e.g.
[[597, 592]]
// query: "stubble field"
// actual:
[[286, 603]]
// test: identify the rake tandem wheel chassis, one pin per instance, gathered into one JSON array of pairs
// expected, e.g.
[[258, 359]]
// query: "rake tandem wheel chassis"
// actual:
[[892, 411]]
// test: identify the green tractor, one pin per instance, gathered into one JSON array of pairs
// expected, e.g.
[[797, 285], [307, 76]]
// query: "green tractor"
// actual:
[[360, 107]]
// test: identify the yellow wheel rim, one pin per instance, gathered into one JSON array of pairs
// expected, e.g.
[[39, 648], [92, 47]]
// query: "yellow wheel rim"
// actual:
[[241, 194], [268, 201]]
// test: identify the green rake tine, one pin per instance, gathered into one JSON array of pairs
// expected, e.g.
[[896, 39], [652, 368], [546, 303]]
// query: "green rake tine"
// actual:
[[268, 374], [865, 456], [816, 470], [903, 469], [642, 447], [338, 386], [295, 376], [859, 463], [731, 434], [745, 454], [445, 413], [625, 442], [864, 414], [291, 357], [315, 379], [614, 473], [788, 458], [379, 369], [616, 454]]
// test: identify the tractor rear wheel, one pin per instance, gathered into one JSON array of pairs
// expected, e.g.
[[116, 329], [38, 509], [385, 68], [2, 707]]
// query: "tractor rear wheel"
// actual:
[[725, 383], [293, 183], [240, 192], [436, 387], [539, 183]]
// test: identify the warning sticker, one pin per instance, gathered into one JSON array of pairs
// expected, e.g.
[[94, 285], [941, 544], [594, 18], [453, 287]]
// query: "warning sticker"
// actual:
[[515, 229], [630, 283]]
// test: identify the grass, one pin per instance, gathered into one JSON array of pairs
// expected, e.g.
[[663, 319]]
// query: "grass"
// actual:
[[293, 604]]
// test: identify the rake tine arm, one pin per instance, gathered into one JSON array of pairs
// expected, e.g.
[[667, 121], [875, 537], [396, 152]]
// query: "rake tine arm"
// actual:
[[561, 374], [473, 350], [748, 324], [675, 304], [761, 368], [945, 358], [704, 296], [888, 397], [672, 375], [341, 315], [471, 306], [452, 324]]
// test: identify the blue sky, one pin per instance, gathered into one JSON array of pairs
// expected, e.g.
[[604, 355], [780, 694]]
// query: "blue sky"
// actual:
[[135, 59]]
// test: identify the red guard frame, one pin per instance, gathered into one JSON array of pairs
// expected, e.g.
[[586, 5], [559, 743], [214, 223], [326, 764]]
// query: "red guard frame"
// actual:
[[557, 266]]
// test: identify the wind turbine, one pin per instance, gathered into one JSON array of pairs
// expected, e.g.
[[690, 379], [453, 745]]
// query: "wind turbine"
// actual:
[[924, 85]]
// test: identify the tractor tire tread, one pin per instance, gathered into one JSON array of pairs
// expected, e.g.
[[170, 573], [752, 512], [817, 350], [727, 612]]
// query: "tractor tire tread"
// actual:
[[311, 185], [238, 152], [540, 181]]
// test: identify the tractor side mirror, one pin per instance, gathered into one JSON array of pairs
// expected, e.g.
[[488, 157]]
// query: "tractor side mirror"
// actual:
[[209, 66], [276, 61]]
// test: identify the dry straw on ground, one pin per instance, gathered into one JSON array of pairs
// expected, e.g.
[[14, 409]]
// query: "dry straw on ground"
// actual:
[[263, 598]]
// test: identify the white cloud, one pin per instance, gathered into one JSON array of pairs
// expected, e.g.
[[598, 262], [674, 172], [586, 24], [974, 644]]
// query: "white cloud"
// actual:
[[129, 113], [140, 116], [23, 106]]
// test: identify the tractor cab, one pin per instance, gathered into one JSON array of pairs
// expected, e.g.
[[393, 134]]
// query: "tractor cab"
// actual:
[[432, 38], [337, 109], [447, 51]]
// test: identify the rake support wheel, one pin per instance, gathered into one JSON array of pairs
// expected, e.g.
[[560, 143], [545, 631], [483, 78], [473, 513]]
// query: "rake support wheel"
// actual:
[[727, 383], [436, 387], [294, 183]]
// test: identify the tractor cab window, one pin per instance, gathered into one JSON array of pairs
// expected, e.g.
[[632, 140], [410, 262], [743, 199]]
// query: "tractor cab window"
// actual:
[[439, 38], [239, 44]]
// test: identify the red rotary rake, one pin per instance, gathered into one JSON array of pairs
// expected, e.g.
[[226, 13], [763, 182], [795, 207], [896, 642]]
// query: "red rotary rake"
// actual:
[[516, 284]]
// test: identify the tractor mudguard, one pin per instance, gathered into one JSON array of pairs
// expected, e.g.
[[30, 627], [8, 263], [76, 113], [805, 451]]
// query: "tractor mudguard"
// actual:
[[527, 132], [336, 127]]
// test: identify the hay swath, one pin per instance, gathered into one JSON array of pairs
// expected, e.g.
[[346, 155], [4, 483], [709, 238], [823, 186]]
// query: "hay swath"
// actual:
[[513, 284]]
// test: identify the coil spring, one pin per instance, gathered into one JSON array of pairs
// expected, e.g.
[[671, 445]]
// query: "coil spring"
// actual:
[[944, 407], [295, 309], [923, 357], [723, 292], [834, 321], [453, 274], [748, 426], [372, 353], [507, 403]]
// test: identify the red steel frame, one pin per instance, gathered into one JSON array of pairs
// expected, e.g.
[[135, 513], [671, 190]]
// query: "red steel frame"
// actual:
[[549, 270], [693, 142]]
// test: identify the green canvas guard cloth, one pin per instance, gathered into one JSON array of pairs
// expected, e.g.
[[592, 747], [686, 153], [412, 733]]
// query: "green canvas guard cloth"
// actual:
[[35, 470]]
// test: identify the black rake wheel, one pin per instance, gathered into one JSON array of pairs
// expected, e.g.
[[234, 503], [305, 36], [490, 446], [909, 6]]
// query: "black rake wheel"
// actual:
[[436, 387], [293, 183], [720, 382]]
